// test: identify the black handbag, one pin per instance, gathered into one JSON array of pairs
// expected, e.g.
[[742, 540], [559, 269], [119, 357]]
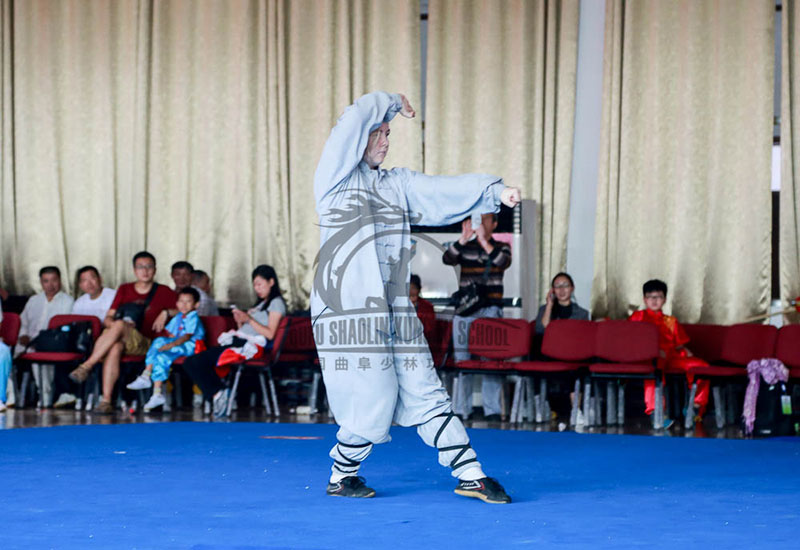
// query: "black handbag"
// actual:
[[72, 337], [133, 312], [472, 297]]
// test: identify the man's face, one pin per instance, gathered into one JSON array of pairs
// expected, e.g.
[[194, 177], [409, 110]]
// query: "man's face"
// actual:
[[377, 146], [654, 300], [489, 224], [51, 284], [413, 292], [182, 278], [89, 283], [145, 270]]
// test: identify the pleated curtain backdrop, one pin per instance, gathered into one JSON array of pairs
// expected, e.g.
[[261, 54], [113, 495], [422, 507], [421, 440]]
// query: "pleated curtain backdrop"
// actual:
[[789, 238], [500, 99], [684, 178], [189, 128]]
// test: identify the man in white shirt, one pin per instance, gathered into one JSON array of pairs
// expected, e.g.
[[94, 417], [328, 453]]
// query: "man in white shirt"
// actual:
[[96, 299], [38, 311]]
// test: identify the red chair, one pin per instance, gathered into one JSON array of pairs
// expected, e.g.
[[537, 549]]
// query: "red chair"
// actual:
[[9, 329], [300, 349], [60, 358], [787, 349], [9, 333], [495, 342], [264, 367], [566, 347], [625, 350], [742, 343]]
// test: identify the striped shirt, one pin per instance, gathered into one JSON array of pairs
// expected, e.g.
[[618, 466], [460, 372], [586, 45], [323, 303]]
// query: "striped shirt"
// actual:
[[472, 258]]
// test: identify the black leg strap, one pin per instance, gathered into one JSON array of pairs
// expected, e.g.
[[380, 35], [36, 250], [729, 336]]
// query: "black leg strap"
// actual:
[[454, 464], [359, 446]]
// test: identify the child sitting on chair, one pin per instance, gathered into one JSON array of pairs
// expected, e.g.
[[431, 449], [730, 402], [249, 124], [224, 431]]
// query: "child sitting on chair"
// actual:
[[672, 340], [184, 331]]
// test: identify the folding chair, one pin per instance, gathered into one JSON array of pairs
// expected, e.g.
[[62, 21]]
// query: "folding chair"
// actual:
[[61, 358], [742, 344], [567, 348], [495, 342], [264, 367], [624, 350]]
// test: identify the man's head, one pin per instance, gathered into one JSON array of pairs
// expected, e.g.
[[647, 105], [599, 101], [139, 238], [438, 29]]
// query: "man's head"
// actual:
[[201, 280], [377, 146], [89, 281], [489, 223], [144, 266], [655, 294], [182, 274], [187, 300], [50, 278], [414, 286]]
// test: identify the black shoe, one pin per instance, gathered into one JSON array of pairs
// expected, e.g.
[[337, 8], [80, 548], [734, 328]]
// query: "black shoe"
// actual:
[[487, 489], [352, 486]]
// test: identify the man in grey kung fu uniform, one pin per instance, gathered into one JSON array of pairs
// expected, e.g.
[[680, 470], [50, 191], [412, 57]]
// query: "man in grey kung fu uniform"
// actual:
[[375, 360]]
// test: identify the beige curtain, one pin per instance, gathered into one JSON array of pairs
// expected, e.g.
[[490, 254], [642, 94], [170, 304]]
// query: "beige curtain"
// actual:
[[684, 178], [790, 157], [501, 99], [189, 128]]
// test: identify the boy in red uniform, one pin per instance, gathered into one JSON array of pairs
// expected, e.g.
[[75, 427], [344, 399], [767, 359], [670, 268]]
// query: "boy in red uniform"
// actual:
[[672, 340]]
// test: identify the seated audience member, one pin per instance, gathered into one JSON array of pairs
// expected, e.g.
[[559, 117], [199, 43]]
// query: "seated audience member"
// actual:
[[424, 307], [35, 317], [559, 304], [139, 311], [672, 342], [96, 299], [183, 333], [5, 367], [261, 320], [202, 284], [474, 251]]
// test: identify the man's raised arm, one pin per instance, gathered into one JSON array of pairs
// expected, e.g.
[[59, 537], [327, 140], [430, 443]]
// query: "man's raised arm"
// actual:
[[348, 139]]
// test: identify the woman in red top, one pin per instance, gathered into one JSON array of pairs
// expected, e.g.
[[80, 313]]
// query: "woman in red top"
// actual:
[[130, 331]]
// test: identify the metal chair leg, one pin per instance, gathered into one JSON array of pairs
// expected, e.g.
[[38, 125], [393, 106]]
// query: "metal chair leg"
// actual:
[[597, 405], [312, 396], [587, 397], [264, 394], [719, 407], [545, 404], [611, 402], [576, 399], [689, 420], [232, 395], [515, 401], [276, 410], [621, 403]]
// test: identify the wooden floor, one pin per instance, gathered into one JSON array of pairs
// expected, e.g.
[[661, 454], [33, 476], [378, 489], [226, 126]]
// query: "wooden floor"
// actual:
[[38, 418]]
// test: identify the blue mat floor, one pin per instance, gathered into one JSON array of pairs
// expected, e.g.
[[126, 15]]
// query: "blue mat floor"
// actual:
[[221, 486]]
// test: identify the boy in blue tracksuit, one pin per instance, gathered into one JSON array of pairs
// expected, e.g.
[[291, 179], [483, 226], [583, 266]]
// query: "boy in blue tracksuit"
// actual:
[[183, 333]]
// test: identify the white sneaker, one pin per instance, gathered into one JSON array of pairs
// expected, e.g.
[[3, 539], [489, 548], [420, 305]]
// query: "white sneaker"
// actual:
[[206, 407], [64, 400], [142, 382], [156, 400]]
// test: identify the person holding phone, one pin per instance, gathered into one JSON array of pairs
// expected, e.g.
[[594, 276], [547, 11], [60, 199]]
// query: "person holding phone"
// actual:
[[560, 303]]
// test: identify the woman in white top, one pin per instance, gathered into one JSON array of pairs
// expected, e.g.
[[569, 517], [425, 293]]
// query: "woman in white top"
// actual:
[[96, 299]]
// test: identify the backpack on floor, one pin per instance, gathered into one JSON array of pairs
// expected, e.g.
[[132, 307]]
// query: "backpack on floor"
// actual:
[[773, 411]]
